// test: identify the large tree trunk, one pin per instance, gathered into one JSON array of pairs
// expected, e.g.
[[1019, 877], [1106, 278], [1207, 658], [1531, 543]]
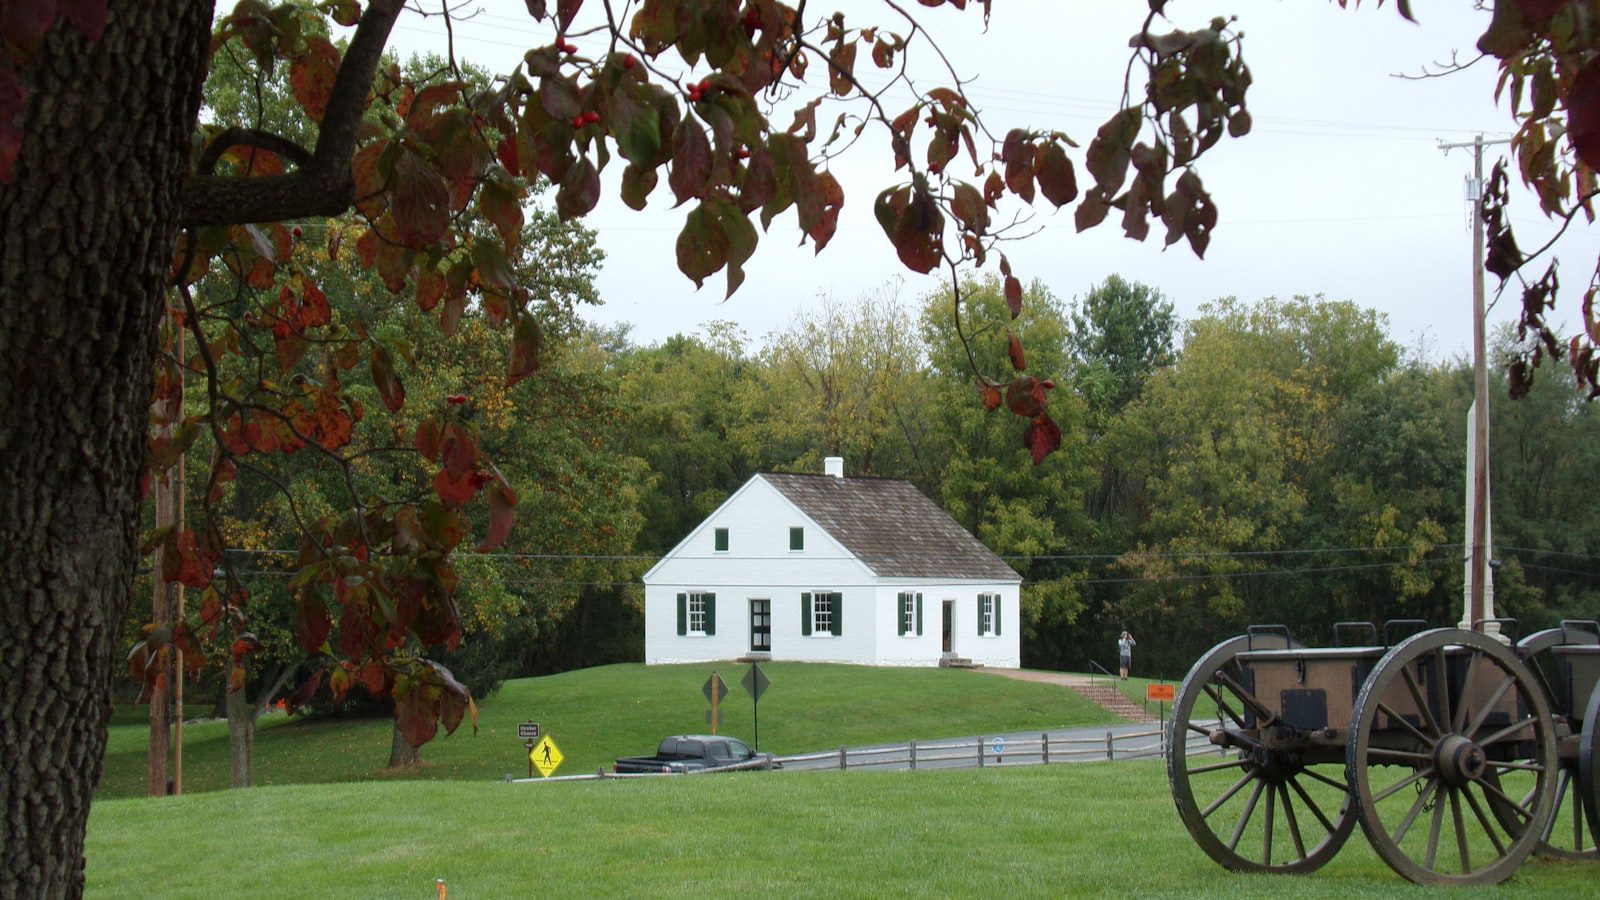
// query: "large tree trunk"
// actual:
[[86, 235]]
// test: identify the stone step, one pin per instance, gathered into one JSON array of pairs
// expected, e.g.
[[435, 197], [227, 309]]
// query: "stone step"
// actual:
[[957, 662], [1113, 700]]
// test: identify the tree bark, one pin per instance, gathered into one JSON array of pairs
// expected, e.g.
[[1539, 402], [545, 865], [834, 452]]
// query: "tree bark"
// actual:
[[86, 236], [401, 753], [241, 736]]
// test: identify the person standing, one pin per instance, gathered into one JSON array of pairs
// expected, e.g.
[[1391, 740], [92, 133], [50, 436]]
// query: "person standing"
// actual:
[[1125, 654]]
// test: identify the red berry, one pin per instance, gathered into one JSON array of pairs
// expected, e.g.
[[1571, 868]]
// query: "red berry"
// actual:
[[579, 120], [456, 399], [1049, 385], [743, 153], [705, 85], [295, 231], [628, 62], [591, 117]]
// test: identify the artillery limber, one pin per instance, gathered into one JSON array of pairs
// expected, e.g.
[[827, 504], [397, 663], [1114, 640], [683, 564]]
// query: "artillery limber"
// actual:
[[1458, 754]]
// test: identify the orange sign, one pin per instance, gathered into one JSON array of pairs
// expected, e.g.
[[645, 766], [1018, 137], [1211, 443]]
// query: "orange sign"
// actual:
[[1164, 692]]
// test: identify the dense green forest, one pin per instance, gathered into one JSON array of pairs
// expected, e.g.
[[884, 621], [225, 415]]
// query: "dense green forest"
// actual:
[[1278, 461]]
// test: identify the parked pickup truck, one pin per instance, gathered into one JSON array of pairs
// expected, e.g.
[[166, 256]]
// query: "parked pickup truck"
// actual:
[[690, 752]]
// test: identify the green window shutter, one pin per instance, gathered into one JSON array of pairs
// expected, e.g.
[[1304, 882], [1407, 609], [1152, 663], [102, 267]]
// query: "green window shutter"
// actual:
[[722, 540], [711, 613], [805, 614], [900, 614], [683, 613], [983, 627], [996, 614], [919, 614], [838, 620], [797, 539]]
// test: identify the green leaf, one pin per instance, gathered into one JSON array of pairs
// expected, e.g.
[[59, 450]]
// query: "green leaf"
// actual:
[[637, 183], [635, 126], [390, 389], [702, 245], [525, 342]]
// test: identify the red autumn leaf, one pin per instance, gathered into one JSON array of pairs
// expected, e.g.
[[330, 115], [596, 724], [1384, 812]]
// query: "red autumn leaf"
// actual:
[[24, 22], [1056, 179], [1042, 438], [1013, 289], [991, 396], [88, 16], [195, 560], [311, 76], [502, 503], [691, 161], [1583, 114], [311, 622], [421, 204], [416, 710], [459, 452], [1014, 352], [566, 10], [455, 489], [427, 440], [356, 628], [1025, 397], [373, 677]]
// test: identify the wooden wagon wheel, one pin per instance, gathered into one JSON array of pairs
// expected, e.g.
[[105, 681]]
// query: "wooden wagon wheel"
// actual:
[[1458, 710], [1588, 766], [1252, 809], [1572, 833]]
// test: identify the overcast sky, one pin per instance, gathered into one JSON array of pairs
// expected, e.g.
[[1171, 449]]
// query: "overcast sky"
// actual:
[[1341, 189]]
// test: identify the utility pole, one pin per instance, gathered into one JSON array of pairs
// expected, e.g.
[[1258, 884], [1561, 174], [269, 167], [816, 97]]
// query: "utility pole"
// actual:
[[1477, 610]]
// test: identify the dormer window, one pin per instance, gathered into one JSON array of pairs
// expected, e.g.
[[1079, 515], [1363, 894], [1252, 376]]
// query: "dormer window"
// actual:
[[797, 539], [722, 540]]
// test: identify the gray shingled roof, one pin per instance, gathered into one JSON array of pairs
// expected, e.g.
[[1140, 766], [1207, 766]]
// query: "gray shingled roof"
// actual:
[[891, 527]]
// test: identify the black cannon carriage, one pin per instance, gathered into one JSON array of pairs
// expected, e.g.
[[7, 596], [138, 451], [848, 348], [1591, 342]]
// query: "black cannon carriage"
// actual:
[[1457, 754]]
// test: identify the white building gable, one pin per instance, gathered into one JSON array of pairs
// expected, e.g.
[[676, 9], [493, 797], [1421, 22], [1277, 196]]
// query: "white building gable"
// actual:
[[819, 568]]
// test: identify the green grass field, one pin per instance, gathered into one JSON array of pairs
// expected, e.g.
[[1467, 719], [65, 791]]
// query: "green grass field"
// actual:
[[1089, 829], [598, 714]]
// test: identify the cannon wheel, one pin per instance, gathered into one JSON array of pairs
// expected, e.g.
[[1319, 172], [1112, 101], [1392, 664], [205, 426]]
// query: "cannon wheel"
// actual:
[[1588, 776], [1250, 810], [1450, 755], [1572, 833]]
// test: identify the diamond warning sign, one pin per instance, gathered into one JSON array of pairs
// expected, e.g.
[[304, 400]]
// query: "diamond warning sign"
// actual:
[[545, 756]]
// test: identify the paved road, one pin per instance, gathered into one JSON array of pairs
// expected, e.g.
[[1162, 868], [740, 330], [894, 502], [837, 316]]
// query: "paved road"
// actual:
[[1086, 744]]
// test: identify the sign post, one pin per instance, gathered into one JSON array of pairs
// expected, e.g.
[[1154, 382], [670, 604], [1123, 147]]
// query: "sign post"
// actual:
[[1163, 694], [528, 733], [714, 690], [755, 684]]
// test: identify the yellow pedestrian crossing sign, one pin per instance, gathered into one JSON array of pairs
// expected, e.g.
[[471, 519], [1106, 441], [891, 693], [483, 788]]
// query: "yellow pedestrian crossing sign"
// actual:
[[545, 756]]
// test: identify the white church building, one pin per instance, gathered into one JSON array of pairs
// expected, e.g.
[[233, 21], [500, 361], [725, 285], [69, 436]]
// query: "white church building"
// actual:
[[826, 568]]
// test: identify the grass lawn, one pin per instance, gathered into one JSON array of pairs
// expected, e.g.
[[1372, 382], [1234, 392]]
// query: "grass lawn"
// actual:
[[595, 715], [1080, 829]]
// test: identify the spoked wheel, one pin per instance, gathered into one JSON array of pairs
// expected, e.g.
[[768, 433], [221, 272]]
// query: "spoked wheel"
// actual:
[[1251, 808], [1446, 716], [1588, 766], [1570, 835]]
